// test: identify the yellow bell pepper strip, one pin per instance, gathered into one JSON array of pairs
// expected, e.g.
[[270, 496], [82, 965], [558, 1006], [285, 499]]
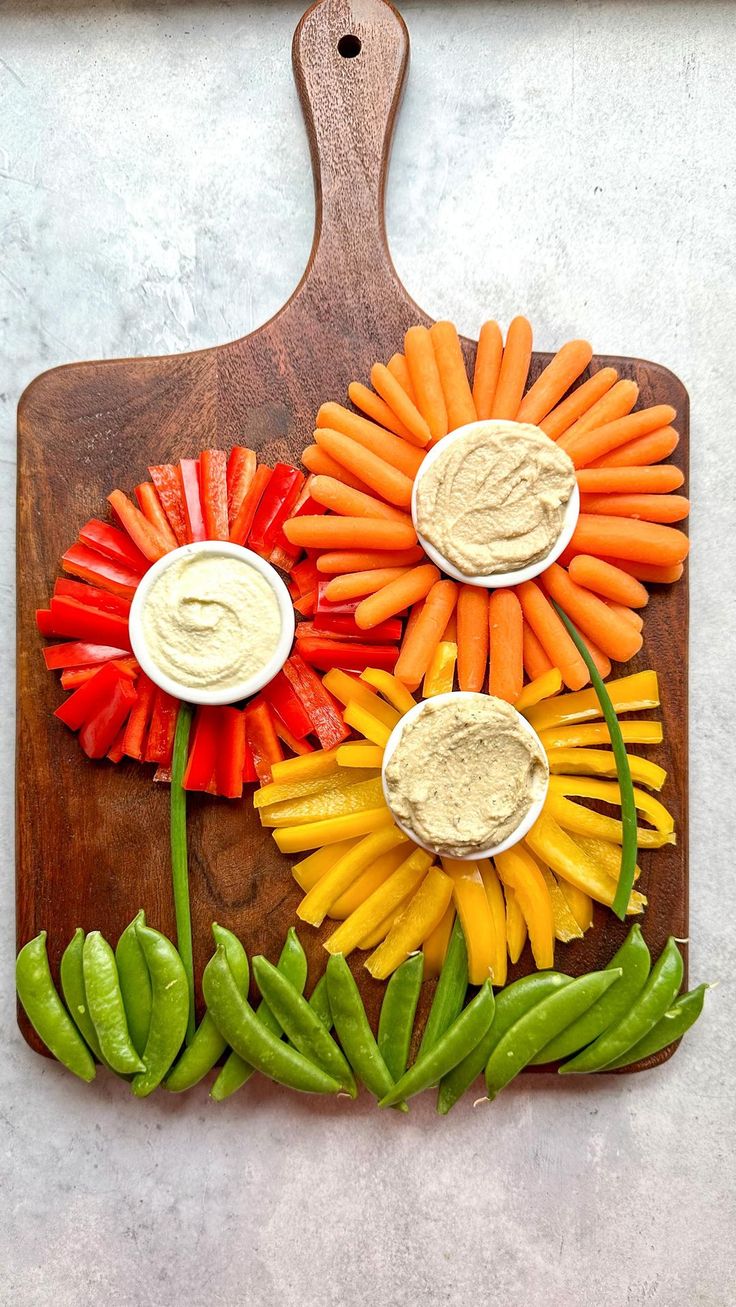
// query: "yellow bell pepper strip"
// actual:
[[434, 947], [575, 818], [378, 934], [589, 734], [584, 787], [366, 724], [390, 687], [368, 881], [420, 916], [317, 807], [360, 753], [580, 904], [515, 925], [282, 791], [307, 872], [601, 762], [566, 927], [605, 853], [386, 899], [317, 902], [542, 687], [497, 904], [312, 835], [518, 869], [308, 767], [476, 919], [439, 677], [635, 693], [349, 689], [549, 842]]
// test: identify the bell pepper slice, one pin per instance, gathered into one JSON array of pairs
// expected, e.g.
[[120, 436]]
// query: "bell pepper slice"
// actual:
[[203, 747], [297, 839], [230, 760], [292, 743], [580, 904], [76, 676], [160, 742], [360, 753], [515, 925], [439, 677], [327, 723], [316, 766], [113, 543], [115, 752], [390, 687], [326, 654], [309, 870], [346, 628], [367, 725], [276, 505], [87, 701], [191, 496], [374, 876], [241, 468], [419, 918], [99, 732], [352, 689], [497, 904], [317, 807], [241, 525], [213, 476], [118, 578], [44, 622], [435, 945], [145, 537], [584, 787], [165, 478], [519, 870], [376, 936], [308, 630], [566, 926], [249, 767], [378, 839], [306, 576], [284, 554], [542, 687], [588, 734], [262, 739], [601, 762], [287, 705], [92, 595], [79, 621], [134, 739], [635, 693], [280, 791], [305, 604], [554, 846], [152, 509], [575, 818], [386, 899], [79, 653], [474, 911]]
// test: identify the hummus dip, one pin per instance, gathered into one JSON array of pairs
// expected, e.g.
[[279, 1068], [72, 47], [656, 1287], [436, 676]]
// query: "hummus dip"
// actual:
[[495, 500], [211, 621], [464, 774]]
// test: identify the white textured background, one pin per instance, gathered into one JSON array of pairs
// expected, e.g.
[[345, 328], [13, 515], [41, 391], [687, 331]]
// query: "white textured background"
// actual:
[[574, 161]]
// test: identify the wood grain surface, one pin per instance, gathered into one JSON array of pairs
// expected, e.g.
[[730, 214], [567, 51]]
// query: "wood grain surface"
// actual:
[[92, 839]]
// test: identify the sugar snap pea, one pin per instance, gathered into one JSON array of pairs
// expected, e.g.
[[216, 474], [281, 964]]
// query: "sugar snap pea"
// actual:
[[465, 1032], [634, 960], [105, 1003], [135, 983], [169, 1009], [46, 1012], [208, 1045], [72, 987], [673, 1025], [532, 1031], [654, 1000], [398, 1009], [319, 999], [511, 1003], [301, 1025], [450, 992], [353, 1029], [251, 1039]]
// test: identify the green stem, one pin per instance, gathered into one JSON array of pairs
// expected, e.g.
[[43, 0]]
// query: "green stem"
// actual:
[[179, 858], [629, 847]]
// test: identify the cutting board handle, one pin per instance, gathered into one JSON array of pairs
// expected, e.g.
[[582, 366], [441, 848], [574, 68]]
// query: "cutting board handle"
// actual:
[[350, 59]]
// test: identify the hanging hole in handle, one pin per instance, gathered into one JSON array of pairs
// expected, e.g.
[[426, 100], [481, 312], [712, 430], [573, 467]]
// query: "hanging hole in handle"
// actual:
[[349, 46]]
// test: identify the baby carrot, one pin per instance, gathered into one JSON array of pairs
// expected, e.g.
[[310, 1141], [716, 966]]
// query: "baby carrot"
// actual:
[[627, 614], [583, 449], [382, 478], [654, 573], [517, 354], [641, 542], [578, 402], [451, 366], [421, 642], [608, 581], [536, 662], [320, 464], [344, 532], [614, 637], [487, 367], [342, 499], [650, 508], [601, 660], [425, 378], [360, 560], [414, 614], [552, 635], [507, 667], [557, 378], [399, 453], [398, 368], [629, 480], [353, 585], [377, 409], [472, 637], [641, 451], [616, 403], [396, 596], [418, 433]]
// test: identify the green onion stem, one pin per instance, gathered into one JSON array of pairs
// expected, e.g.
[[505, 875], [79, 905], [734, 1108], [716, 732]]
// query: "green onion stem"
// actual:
[[179, 858]]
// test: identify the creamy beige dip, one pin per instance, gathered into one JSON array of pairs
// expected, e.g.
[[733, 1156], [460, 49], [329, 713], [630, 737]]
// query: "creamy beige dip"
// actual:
[[495, 500], [465, 774], [211, 621]]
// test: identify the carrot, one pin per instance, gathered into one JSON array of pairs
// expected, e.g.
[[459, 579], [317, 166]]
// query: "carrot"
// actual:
[[320, 464], [557, 378], [602, 663], [536, 662], [627, 614], [517, 354], [427, 631], [353, 585], [359, 560], [344, 532], [398, 368], [377, 409], [629, 480], [342, 499], [594, 444], [578, 402], [642, 451], [417, 431], [607, 581], [487, 367], [152, 508], [451, 367], [399, 453], [449, 635], [650, 508], [425, 378], [616, 403], [641, 542], [506, 625], [396, 596], [552, 635], [654, 573], [414, 614], [615, 637], [472, 637], [382, 478]]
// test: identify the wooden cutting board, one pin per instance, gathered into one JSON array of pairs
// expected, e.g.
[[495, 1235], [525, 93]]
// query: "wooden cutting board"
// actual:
[[92, 839]]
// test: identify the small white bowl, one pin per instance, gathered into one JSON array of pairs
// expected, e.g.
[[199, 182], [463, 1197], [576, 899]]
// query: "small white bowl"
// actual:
[[196, 694], [525, 824], [497, 579]]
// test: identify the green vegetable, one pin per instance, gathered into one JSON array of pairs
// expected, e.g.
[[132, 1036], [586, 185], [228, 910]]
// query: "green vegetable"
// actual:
[[673, 1025], [135, 983], [208, 1045], [463, 1035], [320, 1001], [105, 1003], [169, 1008], [398, 1009], [179, 857], [353, 1029], [301, 1025], [46, 1012], [449, 995], [72, 987]]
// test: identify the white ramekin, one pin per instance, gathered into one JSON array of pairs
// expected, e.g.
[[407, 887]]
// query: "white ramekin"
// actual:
[[195, 694]]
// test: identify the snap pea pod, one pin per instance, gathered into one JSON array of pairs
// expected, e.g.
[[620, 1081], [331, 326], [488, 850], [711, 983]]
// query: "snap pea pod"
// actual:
[[398, 1009], [465, 1033], [72, 987], [450, 992], [673, 1025], [320, 1001], [634, 960], [208, 1045], [656, 997], [532, 1031], [235, 1072], [251, 1039], [301, 1025], [169, 1009], [105, 1003], [135, 983], [511, 1004], [46, 1012], [353, 1029]]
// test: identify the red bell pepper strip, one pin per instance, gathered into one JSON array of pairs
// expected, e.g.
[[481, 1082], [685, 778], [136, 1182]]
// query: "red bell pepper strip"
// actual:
[[118, 578], [87, 701], [113, 543], [285, 555], [343, 607], [275, 507], [44, 622], [100, 732], [346, 628], [306, 576], [241, 526], [165, 477], [160, 742], [152, 509], [306, 604], [249, 767], [76, 676], [263, 741], [326, 654], [115, 752], [134, 739], [241, 468], [80, 622], [287, 705], [327, 722], [297, 746], [193, 515], [78, 653], [145, 536], [91, 595], [213, 476], [200, 766], [231, 753]]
